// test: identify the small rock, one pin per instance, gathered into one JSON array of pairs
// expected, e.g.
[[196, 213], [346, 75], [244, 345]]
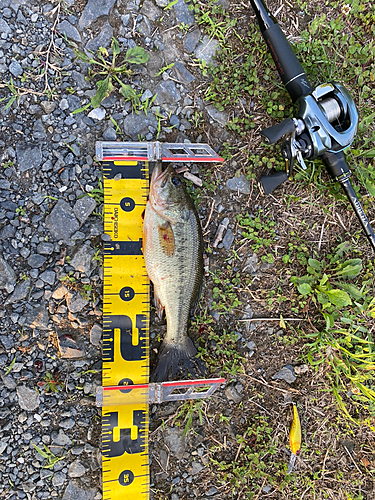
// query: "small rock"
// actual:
[[28, 399], [16, 69], [286, 373], [69, 348], [82, 259], [76, 469], [96, 335], [64, 105], [36, 260], [240, 184], [45, 248], [9, 383], [221, 117], [58, 479], [191, 40], [207, 49], [301, 369], [183, 14], [348, 444], [60, 292], [48, 107], [109, 134], [103, 39], [62, 222], [83, 208], [70, 31], [94, 9], [167, 93], [61, 439], [228, 239], [4, 27], [7, 275], [28, 156], [21, 291], [181, 73], [232, 394], [38, 318], [138, 125], [97, 114], [74, 492], [175, 441], [75, 302]]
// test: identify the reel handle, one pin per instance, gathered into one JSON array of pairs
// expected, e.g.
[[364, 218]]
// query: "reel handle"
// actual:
[[338, 170], [276, 132]]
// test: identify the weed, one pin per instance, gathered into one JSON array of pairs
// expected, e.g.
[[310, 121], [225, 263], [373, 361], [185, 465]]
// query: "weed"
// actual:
[[259, 229], [188, 410], [10, 367], [112, 70], [164, 68], [345, 343], [117, 127], [48, 455], [69, 278], [51, 382]]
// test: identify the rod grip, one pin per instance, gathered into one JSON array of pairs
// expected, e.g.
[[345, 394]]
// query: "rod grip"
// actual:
[[290, 69]]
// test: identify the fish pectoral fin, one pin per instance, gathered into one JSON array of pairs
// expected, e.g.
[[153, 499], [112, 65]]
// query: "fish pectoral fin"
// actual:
[[158, 306], [166, 239]]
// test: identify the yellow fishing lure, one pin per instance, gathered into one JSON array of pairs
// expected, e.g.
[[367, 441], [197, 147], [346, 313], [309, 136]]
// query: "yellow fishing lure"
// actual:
[[295, 438]]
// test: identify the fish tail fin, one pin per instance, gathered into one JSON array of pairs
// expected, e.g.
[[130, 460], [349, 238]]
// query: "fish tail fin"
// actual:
[[176, 360]]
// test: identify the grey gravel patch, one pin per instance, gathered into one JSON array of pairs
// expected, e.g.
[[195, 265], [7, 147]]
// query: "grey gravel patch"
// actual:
[[62, 222], [83, 208], [96, 333], [7, 275], [102, 40], [28, 399], [207, 49], [221, 117], [70, 31], [241, 184], [20, 292], [93, 10], [286, 373], [75, 492], [82, 259], [139, 125], [109, 134], [28, 156], [45, 248]]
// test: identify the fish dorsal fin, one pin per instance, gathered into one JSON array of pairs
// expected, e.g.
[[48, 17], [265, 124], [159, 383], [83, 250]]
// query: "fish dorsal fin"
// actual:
[[166, 238]]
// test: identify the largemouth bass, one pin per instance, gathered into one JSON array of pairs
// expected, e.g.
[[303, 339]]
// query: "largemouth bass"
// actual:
[[172, 246]]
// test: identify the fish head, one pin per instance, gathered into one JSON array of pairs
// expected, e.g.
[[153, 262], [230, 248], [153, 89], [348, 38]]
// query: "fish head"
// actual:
[[168, 196]]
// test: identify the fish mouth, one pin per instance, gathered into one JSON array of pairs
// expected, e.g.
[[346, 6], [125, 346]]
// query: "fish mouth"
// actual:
[[160, 176]]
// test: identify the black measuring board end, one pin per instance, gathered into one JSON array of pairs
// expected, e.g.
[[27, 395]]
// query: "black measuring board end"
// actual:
[[123, 247], [111, 170]]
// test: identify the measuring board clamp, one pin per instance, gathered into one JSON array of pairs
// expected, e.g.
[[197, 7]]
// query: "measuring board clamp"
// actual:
[[155, 151], [179, 390]]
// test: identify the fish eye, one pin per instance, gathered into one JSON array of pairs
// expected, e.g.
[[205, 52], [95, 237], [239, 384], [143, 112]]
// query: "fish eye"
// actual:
[[176, 181]]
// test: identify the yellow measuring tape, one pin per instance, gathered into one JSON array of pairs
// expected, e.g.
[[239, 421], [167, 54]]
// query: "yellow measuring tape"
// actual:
[[125, 330]]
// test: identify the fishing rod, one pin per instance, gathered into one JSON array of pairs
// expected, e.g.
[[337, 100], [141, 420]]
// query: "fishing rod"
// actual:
[[326, 121]]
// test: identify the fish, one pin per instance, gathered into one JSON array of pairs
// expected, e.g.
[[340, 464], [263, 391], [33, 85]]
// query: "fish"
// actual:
[[173, 253]]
